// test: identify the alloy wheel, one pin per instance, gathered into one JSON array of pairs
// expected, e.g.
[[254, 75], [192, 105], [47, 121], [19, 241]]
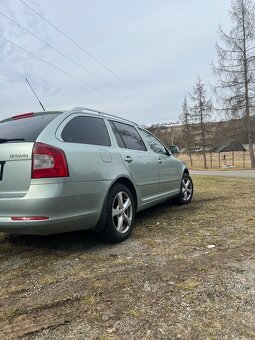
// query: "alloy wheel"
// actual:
[[186, 189], [122, 212]]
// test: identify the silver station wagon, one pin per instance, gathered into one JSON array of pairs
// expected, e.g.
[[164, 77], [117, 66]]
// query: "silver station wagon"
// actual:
[[83, 169]]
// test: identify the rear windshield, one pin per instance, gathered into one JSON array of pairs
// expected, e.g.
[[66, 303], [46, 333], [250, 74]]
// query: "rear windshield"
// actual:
[[26, 128]]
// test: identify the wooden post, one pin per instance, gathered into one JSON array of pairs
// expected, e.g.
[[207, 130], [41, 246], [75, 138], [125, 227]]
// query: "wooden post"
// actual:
[[233, 158], [244, 159], [219, 159], [211, 159]]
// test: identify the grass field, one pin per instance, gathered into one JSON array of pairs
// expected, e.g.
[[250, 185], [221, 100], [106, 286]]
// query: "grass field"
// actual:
[[239, 160], [186, 272]]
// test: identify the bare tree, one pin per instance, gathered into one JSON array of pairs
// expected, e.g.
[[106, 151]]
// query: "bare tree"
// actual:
[[186, 128], [235, 66], [200, 114]]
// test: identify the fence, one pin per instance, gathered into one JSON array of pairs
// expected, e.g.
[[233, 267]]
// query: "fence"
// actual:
[[238, 159]]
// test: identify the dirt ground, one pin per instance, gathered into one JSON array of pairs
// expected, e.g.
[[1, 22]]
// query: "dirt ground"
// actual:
[[187, 272]]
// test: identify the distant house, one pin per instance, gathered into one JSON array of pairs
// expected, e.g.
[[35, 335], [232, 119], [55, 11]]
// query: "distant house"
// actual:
[[234, 146], [230, 147]]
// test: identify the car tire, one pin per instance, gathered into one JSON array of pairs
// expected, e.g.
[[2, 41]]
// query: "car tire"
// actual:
[[120, 213], [186, 192]]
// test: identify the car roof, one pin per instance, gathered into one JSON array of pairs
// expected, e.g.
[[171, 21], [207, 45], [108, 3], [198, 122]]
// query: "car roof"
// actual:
[[104, 114], [30, 114], [68, 112]]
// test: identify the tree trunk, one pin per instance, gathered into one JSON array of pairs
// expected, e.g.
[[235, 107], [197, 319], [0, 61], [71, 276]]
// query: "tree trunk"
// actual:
[[250, 144], [247, 98], [205, 164], [203, 136], [190, 158]]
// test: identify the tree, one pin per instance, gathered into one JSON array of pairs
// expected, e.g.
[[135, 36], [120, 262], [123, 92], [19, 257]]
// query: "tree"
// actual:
[[200, 115], [235, 67], [186, 128], [227, 131]]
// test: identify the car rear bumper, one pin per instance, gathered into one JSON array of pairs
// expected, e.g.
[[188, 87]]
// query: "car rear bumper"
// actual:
[[68, 207], [47, 227]]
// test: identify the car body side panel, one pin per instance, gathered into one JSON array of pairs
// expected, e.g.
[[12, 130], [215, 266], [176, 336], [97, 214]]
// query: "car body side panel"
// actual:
[[93, 163], [144, 172], [170, 171]]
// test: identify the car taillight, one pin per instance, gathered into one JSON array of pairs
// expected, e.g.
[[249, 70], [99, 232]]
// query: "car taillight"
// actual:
[[48, 161]]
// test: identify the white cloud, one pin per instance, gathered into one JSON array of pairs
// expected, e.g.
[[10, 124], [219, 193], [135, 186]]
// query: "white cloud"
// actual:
[[158, 47]]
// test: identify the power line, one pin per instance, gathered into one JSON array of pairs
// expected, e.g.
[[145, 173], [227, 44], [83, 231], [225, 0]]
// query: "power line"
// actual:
[[72, 60], [63, 71], [92, 56]]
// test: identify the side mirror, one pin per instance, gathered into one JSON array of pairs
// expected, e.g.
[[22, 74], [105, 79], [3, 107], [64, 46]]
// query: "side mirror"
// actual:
[[174, 149]]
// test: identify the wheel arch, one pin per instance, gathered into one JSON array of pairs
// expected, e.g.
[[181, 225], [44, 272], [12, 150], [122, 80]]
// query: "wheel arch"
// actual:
[[128, 183], [186, 171]]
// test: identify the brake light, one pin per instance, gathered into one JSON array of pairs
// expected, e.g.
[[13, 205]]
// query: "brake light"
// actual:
[[24, 115], [48, 161]]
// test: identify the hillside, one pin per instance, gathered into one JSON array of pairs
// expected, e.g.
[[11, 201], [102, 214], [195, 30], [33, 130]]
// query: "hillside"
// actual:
[[219, 133]]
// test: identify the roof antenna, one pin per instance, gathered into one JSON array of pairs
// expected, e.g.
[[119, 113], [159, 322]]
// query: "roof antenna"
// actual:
[[35, 94]]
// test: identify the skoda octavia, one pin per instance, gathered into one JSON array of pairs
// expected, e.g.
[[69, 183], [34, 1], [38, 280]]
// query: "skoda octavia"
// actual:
[[82, 169]]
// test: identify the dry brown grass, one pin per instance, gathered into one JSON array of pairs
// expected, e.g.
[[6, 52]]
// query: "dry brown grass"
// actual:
[[164, 282], [214, 161]]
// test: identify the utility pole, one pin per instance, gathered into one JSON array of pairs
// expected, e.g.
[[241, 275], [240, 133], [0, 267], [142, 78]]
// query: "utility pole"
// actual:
[[171, 127]]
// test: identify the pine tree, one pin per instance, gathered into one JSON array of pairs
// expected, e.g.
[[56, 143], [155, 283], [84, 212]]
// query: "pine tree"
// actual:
[[200, 115], [186, 128], [235, 67]]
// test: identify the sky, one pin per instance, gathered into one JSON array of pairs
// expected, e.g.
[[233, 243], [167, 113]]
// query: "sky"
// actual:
[[136, 59]]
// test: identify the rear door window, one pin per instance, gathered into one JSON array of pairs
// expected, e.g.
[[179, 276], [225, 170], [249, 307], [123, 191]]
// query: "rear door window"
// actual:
[[127, 136], [86, 130], [27, 128]]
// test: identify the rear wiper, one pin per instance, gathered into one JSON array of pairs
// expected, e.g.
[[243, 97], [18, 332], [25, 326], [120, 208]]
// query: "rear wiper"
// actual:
[[5, 140]]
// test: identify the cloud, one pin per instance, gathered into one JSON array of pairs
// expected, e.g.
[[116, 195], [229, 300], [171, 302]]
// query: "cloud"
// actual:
[[158, 47]]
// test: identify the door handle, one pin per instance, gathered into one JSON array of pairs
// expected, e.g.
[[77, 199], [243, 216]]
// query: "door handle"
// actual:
[[128, 159], [159, 160]]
